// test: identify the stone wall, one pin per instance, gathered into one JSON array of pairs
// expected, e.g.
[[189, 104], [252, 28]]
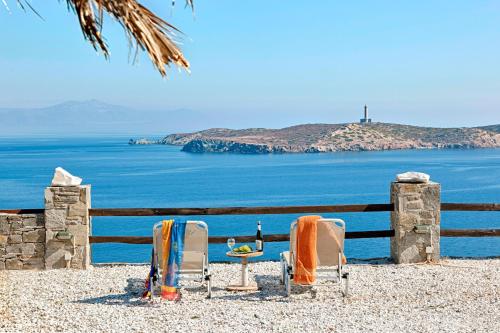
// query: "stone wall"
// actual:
[[416, 222], [22, 241], [59, 238], [67, 224]]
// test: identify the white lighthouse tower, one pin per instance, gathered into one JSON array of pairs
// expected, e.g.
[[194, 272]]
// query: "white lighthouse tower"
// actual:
[[365, 120]]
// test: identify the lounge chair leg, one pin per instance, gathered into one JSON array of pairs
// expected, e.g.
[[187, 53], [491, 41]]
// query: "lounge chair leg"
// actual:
[[209, 286], [282, 275], [345, 277], [339, 267], [152, 287], [288, 284]]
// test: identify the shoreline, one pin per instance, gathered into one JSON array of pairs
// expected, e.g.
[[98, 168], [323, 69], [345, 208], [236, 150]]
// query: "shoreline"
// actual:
[[320, 152]]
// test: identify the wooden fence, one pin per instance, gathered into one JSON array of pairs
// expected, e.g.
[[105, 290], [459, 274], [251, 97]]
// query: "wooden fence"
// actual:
[[276, 210]]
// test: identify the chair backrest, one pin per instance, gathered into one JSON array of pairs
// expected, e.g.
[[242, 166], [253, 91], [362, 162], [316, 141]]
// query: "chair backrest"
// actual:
[[195, 245], [330, 241]]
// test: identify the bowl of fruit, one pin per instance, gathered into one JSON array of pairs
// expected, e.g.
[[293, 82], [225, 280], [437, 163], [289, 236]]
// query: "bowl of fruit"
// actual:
[[242, 249]]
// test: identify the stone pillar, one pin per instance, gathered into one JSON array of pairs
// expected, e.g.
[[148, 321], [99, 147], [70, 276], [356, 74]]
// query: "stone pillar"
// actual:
[[68, 227], [415, 221]]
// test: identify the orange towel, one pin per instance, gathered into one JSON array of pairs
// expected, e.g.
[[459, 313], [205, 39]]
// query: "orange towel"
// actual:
[[306, 261]]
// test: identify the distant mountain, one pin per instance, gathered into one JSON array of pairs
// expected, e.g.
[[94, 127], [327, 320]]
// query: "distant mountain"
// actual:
[[312, 138], [95, 117]]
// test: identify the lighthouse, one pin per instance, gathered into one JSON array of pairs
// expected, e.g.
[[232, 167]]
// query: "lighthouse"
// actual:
[[365, 120]]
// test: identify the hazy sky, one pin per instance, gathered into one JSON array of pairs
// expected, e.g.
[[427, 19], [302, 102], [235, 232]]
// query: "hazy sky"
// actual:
[[284, 62]]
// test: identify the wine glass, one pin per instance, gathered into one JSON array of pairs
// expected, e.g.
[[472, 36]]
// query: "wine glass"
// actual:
[[230, 243]]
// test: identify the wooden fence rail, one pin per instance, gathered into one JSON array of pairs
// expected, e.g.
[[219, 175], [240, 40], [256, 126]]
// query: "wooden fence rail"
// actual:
[[261, 210], [485, 207], [239, 210], [470, 233], [286, 237], [240, 239], [23, 211], [279, 210]]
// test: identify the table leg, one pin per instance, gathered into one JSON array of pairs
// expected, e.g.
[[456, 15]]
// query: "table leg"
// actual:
[[244, 285], [244, 272]]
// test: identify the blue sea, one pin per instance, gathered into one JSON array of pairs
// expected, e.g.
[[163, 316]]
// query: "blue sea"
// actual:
[[162, 176]]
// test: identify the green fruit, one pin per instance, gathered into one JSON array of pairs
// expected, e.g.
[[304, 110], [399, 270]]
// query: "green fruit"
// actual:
[[242, 249]]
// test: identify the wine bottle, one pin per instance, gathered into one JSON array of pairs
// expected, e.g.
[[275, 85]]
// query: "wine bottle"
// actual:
[[259, 241]]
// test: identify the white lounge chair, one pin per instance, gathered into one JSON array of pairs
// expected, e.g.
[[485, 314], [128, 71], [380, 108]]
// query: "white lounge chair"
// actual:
[[329, 249], [195, 264]]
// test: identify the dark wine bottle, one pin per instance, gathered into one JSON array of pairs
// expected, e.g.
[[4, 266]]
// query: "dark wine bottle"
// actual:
[[259, 240]]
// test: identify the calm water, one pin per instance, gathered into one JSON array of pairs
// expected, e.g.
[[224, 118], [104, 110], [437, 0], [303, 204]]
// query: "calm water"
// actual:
[[162, 176]]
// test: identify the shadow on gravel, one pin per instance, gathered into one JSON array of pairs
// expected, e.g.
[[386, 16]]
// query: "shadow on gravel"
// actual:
[[132, 296], [270, 289], [370, 261]]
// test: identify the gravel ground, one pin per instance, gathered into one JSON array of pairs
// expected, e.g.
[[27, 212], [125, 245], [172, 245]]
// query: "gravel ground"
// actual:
[[456, 296]]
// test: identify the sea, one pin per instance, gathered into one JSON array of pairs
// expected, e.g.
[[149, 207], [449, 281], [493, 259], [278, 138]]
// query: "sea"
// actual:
[[125, 175]]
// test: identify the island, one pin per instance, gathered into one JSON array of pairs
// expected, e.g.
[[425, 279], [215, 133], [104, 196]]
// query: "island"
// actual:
[[317, 138]]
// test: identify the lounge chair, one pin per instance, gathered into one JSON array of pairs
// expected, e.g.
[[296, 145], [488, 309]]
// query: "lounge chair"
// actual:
[[195, 264], [329, 251]]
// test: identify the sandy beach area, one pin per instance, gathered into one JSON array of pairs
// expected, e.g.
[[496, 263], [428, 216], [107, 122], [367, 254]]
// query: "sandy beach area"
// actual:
[[454, 296]]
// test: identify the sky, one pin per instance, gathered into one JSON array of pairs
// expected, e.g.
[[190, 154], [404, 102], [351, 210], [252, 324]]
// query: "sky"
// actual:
[[273, 63]]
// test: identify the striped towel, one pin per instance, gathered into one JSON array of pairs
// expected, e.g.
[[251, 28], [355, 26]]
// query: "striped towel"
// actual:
[[173, 233]]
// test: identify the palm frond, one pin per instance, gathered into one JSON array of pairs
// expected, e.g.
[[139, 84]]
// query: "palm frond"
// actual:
[[151, 33], [148, 31], [6, 5], [22, 3]]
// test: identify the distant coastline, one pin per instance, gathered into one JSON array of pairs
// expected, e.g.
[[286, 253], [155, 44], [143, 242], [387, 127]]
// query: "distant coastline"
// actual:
[[317, 138]]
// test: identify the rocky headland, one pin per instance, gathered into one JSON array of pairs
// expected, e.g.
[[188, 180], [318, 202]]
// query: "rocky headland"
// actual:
[[143, 141], [315, 138]]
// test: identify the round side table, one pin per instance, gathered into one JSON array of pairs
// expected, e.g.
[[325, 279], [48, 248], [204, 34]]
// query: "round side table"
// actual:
[[245, 285]]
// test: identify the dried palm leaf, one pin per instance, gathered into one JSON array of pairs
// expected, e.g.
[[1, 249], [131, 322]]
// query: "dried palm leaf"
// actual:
[[149, 32]]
